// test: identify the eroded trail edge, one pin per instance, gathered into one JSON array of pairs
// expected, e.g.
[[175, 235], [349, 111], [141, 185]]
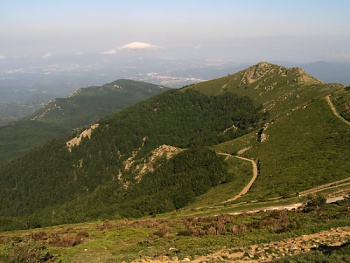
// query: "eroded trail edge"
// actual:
[[335, 111], [255, 175]]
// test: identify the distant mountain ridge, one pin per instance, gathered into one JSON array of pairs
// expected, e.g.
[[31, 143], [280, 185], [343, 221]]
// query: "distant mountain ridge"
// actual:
[[87, 105], [61, 116]]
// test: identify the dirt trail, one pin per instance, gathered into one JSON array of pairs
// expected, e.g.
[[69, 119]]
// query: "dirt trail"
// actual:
[[325, 186], [335, 111], [255, 168], [247, 187]]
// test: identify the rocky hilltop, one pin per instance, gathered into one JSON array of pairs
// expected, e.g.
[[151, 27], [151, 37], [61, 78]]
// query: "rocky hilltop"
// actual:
[[277, 88], [265, 71]]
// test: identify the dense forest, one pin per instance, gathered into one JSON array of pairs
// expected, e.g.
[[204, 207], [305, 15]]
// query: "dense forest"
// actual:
[[52, 185]]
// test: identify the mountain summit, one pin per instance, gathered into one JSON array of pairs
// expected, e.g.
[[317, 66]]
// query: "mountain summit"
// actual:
[[264, 70], [275, 87]]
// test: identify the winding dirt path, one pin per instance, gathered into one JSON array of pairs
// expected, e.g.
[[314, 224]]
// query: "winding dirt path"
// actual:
[[255, 167], [335, 111], [247, 187]]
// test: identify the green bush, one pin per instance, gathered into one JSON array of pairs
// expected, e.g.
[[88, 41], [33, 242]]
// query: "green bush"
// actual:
[[26, 252]]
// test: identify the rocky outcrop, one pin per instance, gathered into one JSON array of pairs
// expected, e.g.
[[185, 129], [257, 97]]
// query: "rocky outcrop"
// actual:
[[301, 77], [77, 140], [149, 164], [256, 72], [265, 71]]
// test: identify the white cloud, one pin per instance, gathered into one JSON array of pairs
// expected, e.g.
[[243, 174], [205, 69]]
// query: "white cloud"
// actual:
[[47, 55], [135, 46], [109, 52], [2, 57]]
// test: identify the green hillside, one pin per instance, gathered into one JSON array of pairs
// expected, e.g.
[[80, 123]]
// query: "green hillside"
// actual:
[[277, 88], [166, 153], [341, 100], [61, 116], [234, 174], [302, 149], [88, 105], [99, 176]]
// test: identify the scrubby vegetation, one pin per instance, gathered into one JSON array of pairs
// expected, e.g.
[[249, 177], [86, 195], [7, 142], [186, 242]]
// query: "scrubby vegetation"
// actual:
[[283, 236]]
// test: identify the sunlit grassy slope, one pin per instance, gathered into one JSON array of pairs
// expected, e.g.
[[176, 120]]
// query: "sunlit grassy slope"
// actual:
[[303, 148], [303, 144], [277, 88]]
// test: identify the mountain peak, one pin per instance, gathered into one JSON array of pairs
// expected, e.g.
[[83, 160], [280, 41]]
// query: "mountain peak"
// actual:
[[263, 64], [256, 72], [264, 70]]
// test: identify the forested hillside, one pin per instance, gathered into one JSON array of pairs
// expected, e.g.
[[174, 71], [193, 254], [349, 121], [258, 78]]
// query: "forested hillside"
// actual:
[[99, 176], [62, 116]]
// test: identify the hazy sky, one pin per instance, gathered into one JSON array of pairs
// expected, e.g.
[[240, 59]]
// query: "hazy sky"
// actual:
[[239, 30]]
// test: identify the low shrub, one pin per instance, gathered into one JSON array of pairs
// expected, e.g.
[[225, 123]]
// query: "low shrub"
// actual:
[[162, 232], [28, 251]]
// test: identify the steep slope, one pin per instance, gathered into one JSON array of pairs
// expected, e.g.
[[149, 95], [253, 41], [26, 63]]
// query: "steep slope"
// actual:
[[60, 116]]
